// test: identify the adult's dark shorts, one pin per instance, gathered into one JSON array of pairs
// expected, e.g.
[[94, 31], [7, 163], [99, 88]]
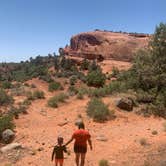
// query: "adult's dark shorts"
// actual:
[[80, 149]]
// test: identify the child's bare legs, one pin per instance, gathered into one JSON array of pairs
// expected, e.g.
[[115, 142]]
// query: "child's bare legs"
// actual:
[[77, 158], [59, 164]]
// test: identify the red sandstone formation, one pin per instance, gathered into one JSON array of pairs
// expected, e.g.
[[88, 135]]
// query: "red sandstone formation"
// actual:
[[106, 45]]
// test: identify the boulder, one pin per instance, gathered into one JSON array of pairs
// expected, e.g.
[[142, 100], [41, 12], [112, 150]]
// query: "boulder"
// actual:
[[125, 104], [10, 147], [8, 136]]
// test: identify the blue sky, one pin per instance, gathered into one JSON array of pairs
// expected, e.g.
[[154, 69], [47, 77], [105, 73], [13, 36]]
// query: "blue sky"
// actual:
[[32, 27]]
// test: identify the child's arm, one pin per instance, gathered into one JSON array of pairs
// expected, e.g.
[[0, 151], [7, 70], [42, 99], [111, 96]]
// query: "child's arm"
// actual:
[[64, 148]]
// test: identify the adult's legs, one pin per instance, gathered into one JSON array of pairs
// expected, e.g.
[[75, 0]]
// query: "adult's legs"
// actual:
[[82, 159], [77, 158]]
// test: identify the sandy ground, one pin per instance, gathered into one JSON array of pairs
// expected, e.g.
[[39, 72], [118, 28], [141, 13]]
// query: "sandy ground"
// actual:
[[38, 130]]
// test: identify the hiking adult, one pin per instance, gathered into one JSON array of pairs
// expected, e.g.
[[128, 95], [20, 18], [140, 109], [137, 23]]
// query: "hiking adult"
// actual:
[[81, 137]]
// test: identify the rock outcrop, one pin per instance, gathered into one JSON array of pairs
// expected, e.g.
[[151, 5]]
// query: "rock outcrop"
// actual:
[[7, 136], [125, 104], [106, 45]]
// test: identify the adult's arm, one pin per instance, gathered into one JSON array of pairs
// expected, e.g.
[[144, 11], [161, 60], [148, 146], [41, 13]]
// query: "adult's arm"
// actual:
[[69, 141], [53, 153], [90, 143]]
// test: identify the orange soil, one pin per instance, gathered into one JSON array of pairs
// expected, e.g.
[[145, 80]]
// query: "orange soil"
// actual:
[[40, 128]]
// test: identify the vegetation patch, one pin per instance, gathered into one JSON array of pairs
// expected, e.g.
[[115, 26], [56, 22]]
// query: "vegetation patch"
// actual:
[[103, 162], [99, 111], [5, 99], [95, 78], [6, 122], [53, 101], [53, 86]]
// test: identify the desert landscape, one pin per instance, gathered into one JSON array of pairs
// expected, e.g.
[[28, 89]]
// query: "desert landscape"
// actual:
[[48, 103]]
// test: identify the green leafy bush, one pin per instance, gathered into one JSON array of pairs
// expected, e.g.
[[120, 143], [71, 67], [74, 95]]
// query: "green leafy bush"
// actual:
[[99, 92], [97, 110], [6, 85], [38, 94], [117, 86], [46, 78], [80, 95], [53, 86], [85, 64], [95, 78], [53, 101], [72, 90], [73, 80], [5, 99], [115, 72]]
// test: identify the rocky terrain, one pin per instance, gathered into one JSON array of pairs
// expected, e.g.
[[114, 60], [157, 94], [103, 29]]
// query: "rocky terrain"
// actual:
[[106, 45]]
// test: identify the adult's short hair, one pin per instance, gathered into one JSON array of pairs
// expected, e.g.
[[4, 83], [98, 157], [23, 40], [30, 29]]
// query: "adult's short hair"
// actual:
[[81, 125]]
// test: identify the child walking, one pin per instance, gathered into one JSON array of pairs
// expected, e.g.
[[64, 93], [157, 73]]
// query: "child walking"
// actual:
[[58, 152]]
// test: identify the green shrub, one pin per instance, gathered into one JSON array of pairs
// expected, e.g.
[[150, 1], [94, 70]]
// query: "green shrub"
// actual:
[[72, 90], [6, 122], [98, 92], [18, 91], [53, 86], [93, 66], [115, 72], [38, 94], [95, 78], [62, 97], [80, 95], [22, 108], [15, 111], [144, 97], [97, 110], [85, 64], [6, 85], [73, 80], [103, 162], [117, 86], [46, 78], [5, 99], [29, 95], [26, 102], [53, 101]]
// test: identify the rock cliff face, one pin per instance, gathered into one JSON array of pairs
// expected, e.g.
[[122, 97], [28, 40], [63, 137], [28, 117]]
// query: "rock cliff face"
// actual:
[[106, 45]]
